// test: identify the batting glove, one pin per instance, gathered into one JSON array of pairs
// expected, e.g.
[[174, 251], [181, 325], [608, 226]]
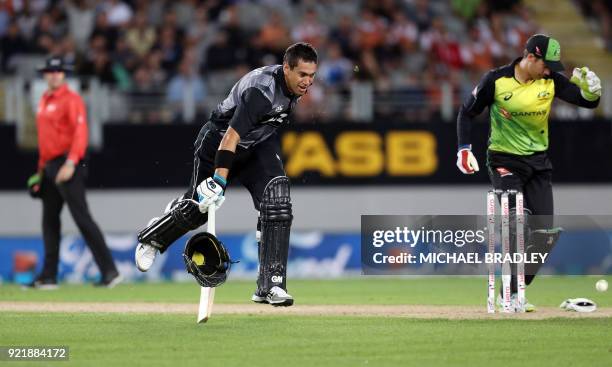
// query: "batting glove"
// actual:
[[466, 161], [588, 82], [210, 192]]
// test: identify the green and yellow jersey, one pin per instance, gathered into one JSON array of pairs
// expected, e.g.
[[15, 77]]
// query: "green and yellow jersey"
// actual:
[[518, 112]]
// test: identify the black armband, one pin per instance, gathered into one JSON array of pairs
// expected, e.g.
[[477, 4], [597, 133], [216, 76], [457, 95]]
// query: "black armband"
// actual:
[[224, 159]]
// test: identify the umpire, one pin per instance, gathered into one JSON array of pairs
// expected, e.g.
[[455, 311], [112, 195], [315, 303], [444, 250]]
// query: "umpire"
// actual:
[[519, 97], [240, 142], [62, 141]]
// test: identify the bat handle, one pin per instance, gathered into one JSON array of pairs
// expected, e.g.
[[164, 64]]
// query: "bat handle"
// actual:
[[212, 219]]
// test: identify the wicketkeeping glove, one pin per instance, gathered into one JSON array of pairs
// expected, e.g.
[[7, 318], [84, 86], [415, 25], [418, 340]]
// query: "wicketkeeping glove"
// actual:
[[210, 192], [466, 162], [588, 82]]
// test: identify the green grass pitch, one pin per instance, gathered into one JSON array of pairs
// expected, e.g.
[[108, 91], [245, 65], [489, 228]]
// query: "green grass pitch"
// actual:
[[116, 339]]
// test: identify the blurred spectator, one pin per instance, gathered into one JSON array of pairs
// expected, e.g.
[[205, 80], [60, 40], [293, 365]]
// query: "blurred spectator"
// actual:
[[371, 30], [170, 20], [335, 69], [467, 9], [81, 20], [184, 10], [99, 66], [310, 29], [67, 47], [5, 18], [221, 55], [186, 93], [119, 13], [124, 55], [478, 53], [143, 83], [403, 33], [599, 12], [140, 36], [104, 29], [345, 36], [45, 35], [201, 33], [383, 8], [12, 43], [154, 63], [169, 48], [26, 20], [273, 37], [421, 14], [146, 98], [444, 48]]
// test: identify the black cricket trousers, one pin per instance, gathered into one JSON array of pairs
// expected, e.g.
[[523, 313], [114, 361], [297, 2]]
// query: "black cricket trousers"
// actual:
[[71, 192]]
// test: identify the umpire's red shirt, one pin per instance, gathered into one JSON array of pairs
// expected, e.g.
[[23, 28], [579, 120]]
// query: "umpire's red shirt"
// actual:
[[61, 121]]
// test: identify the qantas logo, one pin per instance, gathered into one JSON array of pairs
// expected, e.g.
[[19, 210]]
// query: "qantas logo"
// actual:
[[529, 113], [512, 114]]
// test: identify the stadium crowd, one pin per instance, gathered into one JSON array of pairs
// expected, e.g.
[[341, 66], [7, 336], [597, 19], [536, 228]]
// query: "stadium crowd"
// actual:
[[166, 51]]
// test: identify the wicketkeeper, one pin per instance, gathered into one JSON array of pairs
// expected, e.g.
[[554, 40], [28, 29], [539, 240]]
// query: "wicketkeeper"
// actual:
[[519, 97], [240, 141]]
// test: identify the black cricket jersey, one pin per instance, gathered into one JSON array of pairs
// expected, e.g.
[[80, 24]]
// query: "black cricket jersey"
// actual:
[[257, 105]]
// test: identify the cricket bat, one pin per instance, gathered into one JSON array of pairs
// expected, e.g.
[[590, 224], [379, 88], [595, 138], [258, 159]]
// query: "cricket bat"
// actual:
[[207, 295]]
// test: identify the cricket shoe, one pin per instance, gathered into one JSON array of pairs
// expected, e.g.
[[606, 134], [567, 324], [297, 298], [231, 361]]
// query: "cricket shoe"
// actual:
[[529, 307], [279, 297], [145, 254], [42, 284], [259, 298], [109, 282]]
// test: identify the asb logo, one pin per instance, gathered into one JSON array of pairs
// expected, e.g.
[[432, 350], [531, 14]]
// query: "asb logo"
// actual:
[[507, 96]]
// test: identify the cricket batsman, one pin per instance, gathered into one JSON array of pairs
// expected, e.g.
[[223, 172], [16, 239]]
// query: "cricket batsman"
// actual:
[[519, 97], [240, 141]]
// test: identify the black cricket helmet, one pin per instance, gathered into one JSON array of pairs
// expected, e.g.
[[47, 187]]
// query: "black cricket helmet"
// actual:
[[207, 259]]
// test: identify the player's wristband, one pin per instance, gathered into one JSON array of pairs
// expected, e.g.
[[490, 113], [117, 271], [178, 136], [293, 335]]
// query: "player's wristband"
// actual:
[[224, 159], [220, 180]]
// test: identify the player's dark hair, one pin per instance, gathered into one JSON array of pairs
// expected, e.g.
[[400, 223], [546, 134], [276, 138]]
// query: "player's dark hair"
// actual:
[[300, 51]]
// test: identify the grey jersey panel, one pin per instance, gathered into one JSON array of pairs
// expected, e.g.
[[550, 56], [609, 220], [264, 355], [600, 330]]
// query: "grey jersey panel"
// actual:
[[270, 81]]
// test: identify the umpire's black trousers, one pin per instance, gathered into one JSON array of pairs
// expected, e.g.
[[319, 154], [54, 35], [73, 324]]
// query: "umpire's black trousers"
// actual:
[[71, 192]]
